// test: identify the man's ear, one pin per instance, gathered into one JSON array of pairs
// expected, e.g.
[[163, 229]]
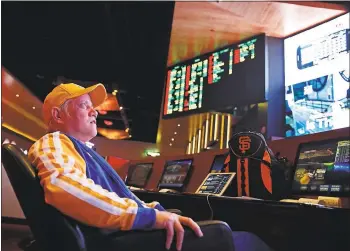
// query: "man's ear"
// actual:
[[56, 115]]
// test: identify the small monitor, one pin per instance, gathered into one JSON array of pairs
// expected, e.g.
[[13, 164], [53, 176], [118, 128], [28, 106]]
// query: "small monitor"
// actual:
[[323, 168], [176, 174], [218, 163], [215, 183], [139, 174]]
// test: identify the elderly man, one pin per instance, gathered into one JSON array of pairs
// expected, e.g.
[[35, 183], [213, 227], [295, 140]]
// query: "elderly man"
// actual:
[[81, 184]]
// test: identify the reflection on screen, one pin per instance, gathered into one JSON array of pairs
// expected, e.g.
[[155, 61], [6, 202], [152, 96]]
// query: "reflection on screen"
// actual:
[[323, 167], [139, 175], [175, 173], [218, 163], [317, 76]]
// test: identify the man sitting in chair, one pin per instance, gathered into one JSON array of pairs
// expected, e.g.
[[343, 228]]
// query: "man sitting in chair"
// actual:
[[81, 184]]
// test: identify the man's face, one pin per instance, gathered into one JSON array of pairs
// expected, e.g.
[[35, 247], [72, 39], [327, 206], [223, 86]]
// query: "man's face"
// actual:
[[80, 119]]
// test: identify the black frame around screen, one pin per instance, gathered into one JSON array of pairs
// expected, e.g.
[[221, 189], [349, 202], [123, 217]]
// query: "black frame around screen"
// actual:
[[130, 174], [261, 36], [188, 175], [215, 158], [316, 193]]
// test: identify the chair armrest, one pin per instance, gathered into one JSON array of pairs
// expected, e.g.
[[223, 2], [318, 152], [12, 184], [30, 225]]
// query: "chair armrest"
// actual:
[[217, 236], [174, 211], [212, 230]]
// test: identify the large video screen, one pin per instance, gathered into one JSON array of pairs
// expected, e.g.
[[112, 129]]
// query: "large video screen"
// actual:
[[317, 78], [231, 76], [175, 173], [323, 168]]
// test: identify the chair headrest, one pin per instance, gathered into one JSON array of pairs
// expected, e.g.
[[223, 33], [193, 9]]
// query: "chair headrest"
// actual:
[[246, 144], [16, 156]]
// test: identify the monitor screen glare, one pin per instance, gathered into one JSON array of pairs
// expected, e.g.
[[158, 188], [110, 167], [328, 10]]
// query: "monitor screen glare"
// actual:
[[323, 168], [139, 175], [175, 173]]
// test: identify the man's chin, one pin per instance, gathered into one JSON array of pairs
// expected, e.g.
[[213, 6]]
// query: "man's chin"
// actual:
[[94, 134]]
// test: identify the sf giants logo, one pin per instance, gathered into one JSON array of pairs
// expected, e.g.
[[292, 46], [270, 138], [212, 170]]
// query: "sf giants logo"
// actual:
[[244, 143]]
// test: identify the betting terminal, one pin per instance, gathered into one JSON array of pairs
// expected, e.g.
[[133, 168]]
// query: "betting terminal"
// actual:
[[250, 186]]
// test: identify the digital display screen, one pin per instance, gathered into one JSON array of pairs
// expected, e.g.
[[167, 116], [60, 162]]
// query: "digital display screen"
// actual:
[[175, 173], [323, 167], [317, 90], [218, 163], [138, 175], [215, 183], [234, 75]]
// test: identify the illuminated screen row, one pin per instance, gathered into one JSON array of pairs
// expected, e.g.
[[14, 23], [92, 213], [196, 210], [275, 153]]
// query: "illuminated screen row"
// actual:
[[231, 76]]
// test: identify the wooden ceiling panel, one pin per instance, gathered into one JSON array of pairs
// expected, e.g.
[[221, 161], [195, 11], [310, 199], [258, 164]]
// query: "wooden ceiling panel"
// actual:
[[200, 27], [17, 112]]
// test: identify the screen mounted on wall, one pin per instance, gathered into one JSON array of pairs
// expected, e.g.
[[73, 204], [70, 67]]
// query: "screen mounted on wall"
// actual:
[[233, 75], [317, 78]]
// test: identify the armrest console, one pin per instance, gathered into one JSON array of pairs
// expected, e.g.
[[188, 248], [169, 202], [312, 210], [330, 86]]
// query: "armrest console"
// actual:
[[217, 236]]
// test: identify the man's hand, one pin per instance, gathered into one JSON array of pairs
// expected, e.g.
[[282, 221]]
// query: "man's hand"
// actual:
[[173, 223]]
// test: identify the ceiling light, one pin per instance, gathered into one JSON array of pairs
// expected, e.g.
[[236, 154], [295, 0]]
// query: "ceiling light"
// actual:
[[172, 139], [170, 144], [121, 108], [129, 136], [178, 124], [8, 79], [6, 141], [175, 133], [33, 107], [17, 95]]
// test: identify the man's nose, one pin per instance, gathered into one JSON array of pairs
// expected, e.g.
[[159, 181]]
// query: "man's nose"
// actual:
[[93, 112]]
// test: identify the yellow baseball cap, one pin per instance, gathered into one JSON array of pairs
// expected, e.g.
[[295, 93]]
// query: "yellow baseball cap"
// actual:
[[63, 92]]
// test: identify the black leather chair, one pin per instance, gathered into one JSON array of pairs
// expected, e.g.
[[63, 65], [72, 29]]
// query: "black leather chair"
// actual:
[[55, 231]]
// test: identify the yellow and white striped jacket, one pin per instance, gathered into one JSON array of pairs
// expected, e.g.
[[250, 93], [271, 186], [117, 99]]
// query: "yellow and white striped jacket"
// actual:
[[62, 173]]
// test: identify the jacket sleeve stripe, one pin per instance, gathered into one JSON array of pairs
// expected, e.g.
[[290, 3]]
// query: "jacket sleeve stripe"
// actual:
[[80, 188]]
